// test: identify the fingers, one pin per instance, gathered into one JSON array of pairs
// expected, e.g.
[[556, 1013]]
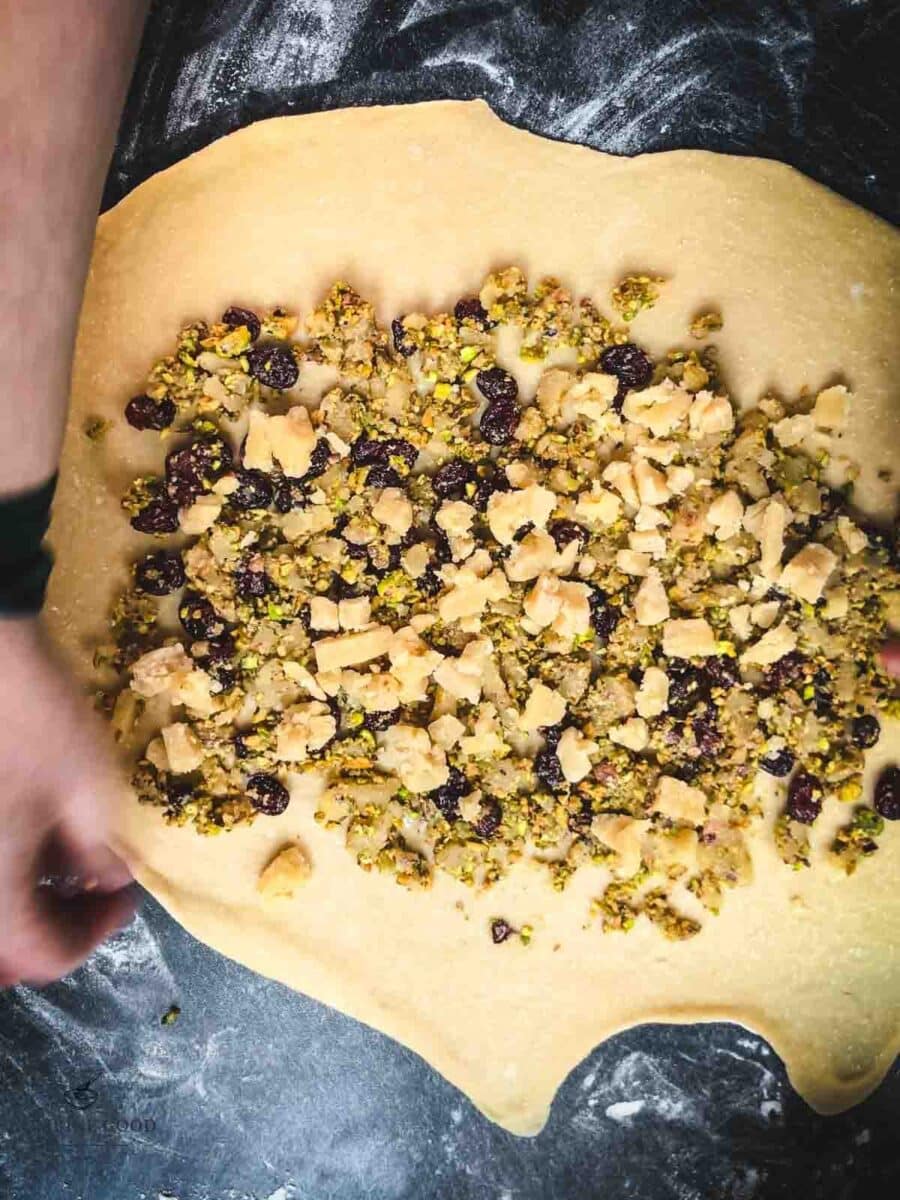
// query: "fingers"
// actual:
[[89, 864], [890, 656]]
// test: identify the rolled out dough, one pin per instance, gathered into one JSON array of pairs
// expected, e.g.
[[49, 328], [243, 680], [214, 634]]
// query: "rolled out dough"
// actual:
[[414, 205]]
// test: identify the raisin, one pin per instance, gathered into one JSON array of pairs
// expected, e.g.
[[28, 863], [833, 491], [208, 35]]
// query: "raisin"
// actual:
[[159, 574], [355, 551], [548, 770], [178, 789], [288, 494], [254, 490], [499, 421], [865, 731], [687, 687], [779, 763], [235, 317], [250, 584], [604, 616], [500, 930], [490, 482], [630, 365], [377, 722], [429, 583], [267, 794], [219, 661], [380, 475], [318, 461], [450, 479], [887, 794], [447, 797], [491, 816], [241, 749], [401, 343], [564, 532], [367, 452], [470, 308], [787, 671], [144, 413], [199, 618], [552, 734], [722, 671], [497, 386], [158, 516], [194, 468], [275, 366], [686, 770], [804, 801], [706, 732]]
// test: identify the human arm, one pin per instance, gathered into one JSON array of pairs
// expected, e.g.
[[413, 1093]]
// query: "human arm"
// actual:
[[64, 69]]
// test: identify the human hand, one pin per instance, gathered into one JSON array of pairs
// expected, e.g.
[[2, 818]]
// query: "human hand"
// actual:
[[55, 805], [890, 656]]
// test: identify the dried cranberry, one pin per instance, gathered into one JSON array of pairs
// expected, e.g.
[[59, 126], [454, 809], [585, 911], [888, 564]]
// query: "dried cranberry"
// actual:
[[178, 789], [157, 516], [722, 671], [686, 770], [144, 413], [199, 618], [500, 930], [630, 365], [401, 343], [470, 308], [497, 385], [159, 574], [499, 422], [254, 490], [564, 532], [887, 794], [380, 475], [429, 583], [241, 749], [548, 770], [687, 687], [447, 797], [235, 317], [787, 671], [366, 452], [804, 801], [490, 482], [706, 732], [450, 479], [318, 460], [355, 551], [267, 794], [779, 763], [219, 661], [250, 584], [604, 616], [377, 722], [491, 816], [866, 731], [288, 494], [194, 468], [552, 734], [275, 366]]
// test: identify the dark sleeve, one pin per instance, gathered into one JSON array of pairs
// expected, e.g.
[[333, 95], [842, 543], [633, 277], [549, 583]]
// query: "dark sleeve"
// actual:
[[24, 560]]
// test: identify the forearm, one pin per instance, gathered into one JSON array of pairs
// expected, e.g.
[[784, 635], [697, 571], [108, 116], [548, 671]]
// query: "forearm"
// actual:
[[64, 70]]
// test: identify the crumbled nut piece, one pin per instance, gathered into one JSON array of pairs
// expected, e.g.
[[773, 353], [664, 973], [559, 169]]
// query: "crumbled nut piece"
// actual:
[[623, 835], [726, 515], [355, 613], [765, 614], [463, 677], [350, 649], [455, 517], [830, 409], [200, 516], [808, 572], [679, 801], [159, 671], [574, 751], [290, 439], [679, 479], [408, 752], [507, 512], [323, 614], [652, 696], [651, 604], [469, 595], [393, 510], [851, 535], [632, 734], [303, 729], [647, 541], [413, 662], [774, 644], [691, 638], [633, 562], [661, 409], [416, 559], [739, 618], [621, 476], [704, 324], [710, 414], [533, 555], [183, 749], [543, 708], [446, 731], [651, 484], [597, 508], [287, 871]]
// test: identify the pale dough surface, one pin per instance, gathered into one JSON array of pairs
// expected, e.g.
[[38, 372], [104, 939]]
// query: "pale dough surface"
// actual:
[[414, 205]]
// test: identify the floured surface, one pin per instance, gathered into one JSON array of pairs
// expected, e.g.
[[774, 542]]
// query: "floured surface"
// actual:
[[272, 215]]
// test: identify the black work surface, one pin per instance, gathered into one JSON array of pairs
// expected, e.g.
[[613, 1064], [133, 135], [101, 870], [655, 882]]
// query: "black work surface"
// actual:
[[259, 1093]]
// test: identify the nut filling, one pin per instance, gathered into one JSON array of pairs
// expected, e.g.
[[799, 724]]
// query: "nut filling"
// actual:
[[578, 626]]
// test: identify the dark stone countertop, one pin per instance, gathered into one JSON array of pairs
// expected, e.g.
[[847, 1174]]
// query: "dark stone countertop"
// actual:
[[256, 1092]]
